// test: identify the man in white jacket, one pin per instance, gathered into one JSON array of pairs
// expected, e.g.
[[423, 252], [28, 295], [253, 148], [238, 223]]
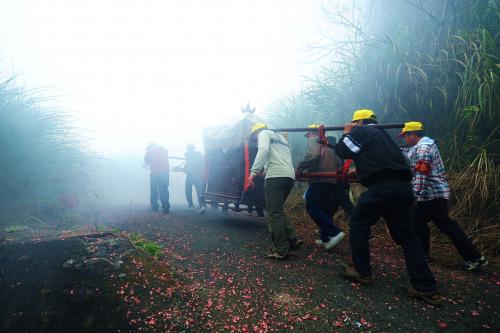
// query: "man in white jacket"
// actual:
[[273, 156]]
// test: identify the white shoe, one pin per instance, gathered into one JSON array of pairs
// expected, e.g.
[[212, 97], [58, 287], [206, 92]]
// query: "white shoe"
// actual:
[[202, 210], [319, 242], [334, 241]]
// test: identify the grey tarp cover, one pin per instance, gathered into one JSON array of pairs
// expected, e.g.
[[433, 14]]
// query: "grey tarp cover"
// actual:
[[230, 134]]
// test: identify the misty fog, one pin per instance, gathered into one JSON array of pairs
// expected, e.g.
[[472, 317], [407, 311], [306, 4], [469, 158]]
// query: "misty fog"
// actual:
[[381, 149], [159, 71]]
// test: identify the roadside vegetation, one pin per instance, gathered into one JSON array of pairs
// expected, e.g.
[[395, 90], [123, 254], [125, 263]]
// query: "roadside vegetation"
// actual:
[[139, 241], [431, 61], [44, 163]]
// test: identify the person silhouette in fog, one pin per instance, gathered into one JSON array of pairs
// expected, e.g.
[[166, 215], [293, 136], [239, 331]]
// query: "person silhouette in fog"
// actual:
[[194, 168], [157, 159]]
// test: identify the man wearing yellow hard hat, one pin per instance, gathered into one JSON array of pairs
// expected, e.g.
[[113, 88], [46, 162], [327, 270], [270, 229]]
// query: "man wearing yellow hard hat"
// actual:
[[433, 193], [274, 158], [383, 170], [324, 195]]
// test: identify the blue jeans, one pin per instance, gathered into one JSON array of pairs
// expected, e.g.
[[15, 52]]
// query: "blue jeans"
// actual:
[[392, 200], [322, 201]]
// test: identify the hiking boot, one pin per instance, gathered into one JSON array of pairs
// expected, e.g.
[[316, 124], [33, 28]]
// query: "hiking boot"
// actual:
[[295, 243], [275, 255], [334, 241], [351, 274], [475, 265], [431, 297]]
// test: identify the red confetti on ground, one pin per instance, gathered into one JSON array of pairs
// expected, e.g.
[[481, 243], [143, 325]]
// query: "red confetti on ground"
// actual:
[[442, 325]]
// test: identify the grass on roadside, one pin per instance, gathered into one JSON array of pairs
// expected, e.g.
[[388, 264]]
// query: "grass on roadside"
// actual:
[[14, 228], [150, 247]]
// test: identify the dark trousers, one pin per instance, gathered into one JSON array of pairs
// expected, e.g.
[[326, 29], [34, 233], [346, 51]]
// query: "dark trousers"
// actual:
[[159, 188], [322, 201], [437, 211], [393, 201], [276, 191], [197, 182], [341, 194]]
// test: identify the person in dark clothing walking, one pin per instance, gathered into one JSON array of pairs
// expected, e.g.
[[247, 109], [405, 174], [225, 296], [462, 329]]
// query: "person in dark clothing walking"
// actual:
[[433, 193], [157, 159], [323, 196], [382, 168], [194, 177], [343, 188]]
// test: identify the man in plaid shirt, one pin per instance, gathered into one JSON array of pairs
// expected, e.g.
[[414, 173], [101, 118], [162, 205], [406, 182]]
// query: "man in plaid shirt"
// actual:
[[432, 193]]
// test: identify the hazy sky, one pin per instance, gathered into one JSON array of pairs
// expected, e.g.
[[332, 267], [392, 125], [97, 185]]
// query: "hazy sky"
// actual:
[[139, 71]]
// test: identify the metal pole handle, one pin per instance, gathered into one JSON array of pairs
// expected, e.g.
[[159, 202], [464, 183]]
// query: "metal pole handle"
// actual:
[[334, 128]]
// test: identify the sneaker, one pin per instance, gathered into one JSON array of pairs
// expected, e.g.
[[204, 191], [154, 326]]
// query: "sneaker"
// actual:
[[277, 256], [317, 232], [202, 210], [190, 207], [295, 243], [476, 265], [319, 242], [334, 241], [432, 298], [351, 274]]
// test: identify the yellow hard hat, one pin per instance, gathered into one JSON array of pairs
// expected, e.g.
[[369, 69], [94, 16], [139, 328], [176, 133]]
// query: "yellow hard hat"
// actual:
[[412, 126], [364, 114], [312, 126], [258, 126]]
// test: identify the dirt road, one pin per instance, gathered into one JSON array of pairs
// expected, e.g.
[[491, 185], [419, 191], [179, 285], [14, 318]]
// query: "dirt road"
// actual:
[[212, 277], [237, 289]]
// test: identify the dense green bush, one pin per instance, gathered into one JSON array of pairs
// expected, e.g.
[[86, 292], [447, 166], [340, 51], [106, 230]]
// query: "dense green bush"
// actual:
[[43, 162]]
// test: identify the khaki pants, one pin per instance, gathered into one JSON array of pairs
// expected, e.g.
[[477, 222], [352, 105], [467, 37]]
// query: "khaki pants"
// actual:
[[276, 191]]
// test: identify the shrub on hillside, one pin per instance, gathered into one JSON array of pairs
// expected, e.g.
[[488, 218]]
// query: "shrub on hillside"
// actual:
[[43, 161]]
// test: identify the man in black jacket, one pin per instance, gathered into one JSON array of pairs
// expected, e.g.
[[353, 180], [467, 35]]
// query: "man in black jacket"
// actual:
[[382, 168]]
